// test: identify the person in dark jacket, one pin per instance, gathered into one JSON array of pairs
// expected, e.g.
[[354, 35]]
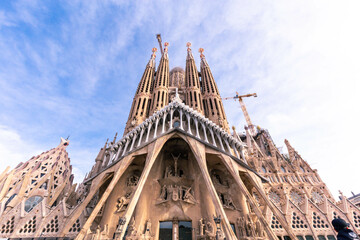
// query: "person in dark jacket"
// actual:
[[342, 228]]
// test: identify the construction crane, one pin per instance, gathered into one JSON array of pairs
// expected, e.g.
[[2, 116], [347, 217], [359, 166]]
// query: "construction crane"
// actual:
[[243, 108]]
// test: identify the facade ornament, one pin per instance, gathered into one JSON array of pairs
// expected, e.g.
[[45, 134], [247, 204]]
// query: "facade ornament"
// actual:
[[122, 202]]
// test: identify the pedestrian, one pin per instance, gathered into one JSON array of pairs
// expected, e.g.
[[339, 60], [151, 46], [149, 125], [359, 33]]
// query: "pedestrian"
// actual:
[[342, 228]]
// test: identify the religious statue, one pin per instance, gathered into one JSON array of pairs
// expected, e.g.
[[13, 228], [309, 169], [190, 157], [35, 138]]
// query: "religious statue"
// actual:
[[201, 227], [188, 197], [209, 231], [228, 203], [241, 226], [123, 202], [259, 229], [250, 230]]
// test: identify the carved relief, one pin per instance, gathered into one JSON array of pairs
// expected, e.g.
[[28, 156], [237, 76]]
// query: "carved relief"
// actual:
[[241, 223], [206, 230], [226, 201], [175, 186], [123, 202], [133, 180]]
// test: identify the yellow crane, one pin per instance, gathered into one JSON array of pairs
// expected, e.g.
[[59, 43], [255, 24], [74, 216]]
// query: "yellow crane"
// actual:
[[243, 108]]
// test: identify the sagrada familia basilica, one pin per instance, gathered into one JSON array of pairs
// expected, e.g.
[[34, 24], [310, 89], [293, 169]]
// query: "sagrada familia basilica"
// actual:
[[178, 172]]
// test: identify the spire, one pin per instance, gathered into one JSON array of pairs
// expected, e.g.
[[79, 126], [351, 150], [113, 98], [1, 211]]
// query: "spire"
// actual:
[[99, 159], [142, 99], [213, 106], [203, 62], [160, 97], [192, 83], [165, 55], [189, 52]]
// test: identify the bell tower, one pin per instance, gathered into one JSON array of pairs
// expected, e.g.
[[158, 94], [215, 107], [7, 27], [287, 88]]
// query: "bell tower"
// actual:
[[214, 109], [192, 83], [142, 100], [161, 84]]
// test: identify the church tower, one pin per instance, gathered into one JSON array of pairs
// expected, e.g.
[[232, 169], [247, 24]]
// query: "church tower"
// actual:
[[161, 84], [214, 109], [192, 83], [142, 101]]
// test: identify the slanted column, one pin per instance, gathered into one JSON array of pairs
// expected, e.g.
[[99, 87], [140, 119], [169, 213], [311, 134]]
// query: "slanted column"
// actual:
[[156, 126], [204, 129], [22, 208], [181, 121], [164, 123], [148, 132], [219, 138], [197, 128], [118, 152], [235, 150], [228, 146], [2, 205], [212, 136], [171, 119], [126, 145], [188, 121], [141, 135], [133, 142]]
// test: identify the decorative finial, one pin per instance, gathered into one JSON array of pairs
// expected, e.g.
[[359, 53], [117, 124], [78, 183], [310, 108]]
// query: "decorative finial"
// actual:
[[177, 97], [154, 52], [201, 50], [188, 44], [166, 44]]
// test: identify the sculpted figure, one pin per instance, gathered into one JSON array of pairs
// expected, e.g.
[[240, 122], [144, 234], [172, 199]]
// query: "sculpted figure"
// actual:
[[124, 200], [201, 227], [188, 196], [209, 231], [163, 195], [241, 226], [250, 227], [259, 229], [228, 202], [169, 171], [131, 228]]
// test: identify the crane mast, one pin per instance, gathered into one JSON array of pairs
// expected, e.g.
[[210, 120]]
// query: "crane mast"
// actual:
[[243, 108]]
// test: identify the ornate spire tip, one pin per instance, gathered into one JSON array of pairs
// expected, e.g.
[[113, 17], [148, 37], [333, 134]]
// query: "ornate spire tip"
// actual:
[[166, 44], [188, 45], [201, 50]]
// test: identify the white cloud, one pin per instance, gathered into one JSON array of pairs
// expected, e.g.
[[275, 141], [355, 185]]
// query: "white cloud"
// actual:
[[14, 149]]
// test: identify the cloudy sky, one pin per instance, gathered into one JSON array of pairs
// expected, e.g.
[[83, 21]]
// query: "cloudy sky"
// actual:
[[72, 68]]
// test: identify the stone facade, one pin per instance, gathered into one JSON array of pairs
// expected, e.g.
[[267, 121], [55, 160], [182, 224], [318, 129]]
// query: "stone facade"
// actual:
[[177, 173]]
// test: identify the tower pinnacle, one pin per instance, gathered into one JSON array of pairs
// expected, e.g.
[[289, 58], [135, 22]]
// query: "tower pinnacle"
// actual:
[[213, 106], [189, 52], [192, 82], [142, 99]]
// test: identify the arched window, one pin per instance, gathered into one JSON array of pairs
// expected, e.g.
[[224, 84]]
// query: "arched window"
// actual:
[[32, 202], [283, 169], [263, 169]]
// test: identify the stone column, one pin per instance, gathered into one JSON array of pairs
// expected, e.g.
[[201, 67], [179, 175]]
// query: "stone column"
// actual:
[[175, 230]]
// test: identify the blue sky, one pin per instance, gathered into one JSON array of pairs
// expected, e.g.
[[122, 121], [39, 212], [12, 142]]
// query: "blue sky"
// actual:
[[72, 68]]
